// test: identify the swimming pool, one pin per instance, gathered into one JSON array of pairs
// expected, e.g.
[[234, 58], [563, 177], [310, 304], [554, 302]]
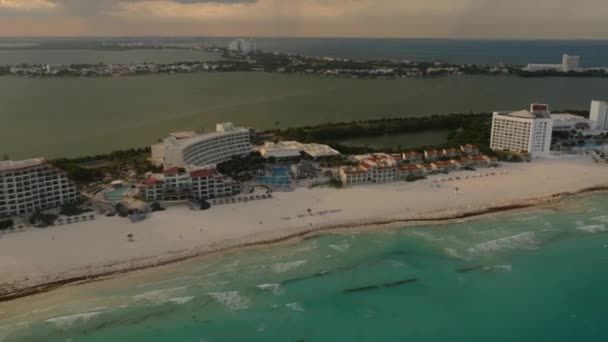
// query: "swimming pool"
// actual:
[[280, 172], [279, 176], [116, 194], [274, 180]]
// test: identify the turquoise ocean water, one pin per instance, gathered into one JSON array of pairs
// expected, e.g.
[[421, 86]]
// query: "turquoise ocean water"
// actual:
[[533, 276]]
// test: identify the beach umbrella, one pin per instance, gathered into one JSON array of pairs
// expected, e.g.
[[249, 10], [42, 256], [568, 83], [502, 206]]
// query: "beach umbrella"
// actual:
[[130, 237]]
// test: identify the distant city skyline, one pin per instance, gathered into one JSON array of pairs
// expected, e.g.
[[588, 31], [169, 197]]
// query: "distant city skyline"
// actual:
[[488, 19]]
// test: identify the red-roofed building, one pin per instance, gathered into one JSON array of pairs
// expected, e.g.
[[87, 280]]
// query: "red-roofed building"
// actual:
[[450, 153], [470, 150], [354, 175], [173, 171], [479, 161], [431, 155], [466, 161], [178, 184], [446, 165], [407, 171]]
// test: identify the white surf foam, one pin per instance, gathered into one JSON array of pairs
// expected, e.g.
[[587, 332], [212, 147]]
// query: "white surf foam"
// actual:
[[603, 219], [525, 240], [181, 300], [275, 289], [294, 307], [159, 296], [65, 322], [453, 253], [287, 266], [507, 268], [232, 299], [340, 248], [593, 228]]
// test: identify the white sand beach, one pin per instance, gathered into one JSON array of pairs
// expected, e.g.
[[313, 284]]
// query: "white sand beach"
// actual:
[[38, 256]]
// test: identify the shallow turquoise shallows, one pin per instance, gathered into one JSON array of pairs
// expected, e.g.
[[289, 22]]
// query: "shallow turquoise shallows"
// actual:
[[534, 276]]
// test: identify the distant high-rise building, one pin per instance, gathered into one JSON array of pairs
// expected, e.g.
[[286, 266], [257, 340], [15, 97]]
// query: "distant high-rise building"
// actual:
[[523, 131], [599, 114], [570, 63], [241, 45]]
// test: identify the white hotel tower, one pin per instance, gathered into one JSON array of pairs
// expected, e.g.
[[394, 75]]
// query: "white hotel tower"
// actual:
[[190, 149], [30, 185], [523, 131]]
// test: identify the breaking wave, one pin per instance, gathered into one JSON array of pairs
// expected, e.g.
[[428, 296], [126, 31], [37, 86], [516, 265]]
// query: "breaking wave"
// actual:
[[287, 266], [65, 322], [593, 229], [340, 248], [275, 289], [181, 300], [525, 240], [294, 307], [159, 296], [231, 299]]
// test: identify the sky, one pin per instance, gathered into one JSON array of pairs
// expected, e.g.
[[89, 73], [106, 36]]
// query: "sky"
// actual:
[[502, 19]]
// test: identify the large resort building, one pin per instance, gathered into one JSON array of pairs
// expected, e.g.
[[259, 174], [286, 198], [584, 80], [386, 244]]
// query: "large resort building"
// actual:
[[189, 148], [31, 185], [523, 131]]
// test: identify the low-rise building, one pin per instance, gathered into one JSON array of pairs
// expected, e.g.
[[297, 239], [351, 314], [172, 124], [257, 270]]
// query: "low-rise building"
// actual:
[[31, 185], [469, 150], [353, 175], [413, 170], [450, 153], [569, 122], [293, 150], [445, 165], [431, 155], [178, 184], [408, 158]]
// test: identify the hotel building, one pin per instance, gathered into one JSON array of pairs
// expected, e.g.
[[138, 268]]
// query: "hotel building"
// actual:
[[599, 114], [30, 185], [178, 184], [523, 131], [188, 148]]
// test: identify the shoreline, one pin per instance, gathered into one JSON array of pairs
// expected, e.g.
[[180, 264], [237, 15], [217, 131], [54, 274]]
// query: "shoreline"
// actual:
[[303, 234]]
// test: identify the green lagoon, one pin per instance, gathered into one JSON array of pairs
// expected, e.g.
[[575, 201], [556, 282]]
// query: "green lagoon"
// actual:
[[74, 116]]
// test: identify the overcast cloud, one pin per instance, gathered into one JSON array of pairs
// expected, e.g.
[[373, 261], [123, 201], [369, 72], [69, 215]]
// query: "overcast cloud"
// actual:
[[557, 19]]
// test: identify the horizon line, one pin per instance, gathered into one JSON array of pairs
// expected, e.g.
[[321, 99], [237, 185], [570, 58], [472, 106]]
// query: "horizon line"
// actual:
[[303, 37]]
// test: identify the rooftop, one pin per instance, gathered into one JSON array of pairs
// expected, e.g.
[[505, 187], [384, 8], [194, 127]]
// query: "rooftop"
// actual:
[[567, 117], [183, 139], [526, 114], [183, 134], [9, 165]]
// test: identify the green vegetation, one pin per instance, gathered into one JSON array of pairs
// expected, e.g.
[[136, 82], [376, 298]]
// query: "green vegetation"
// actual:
[[5, 70], [240, 168], [41, 220], [466, 129], [116, 164], [6, 224], [336, 183], [555, 73]]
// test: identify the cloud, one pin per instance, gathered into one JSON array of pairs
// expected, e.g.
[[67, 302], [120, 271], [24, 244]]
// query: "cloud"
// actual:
[[26, 5], [94, 7], [375, 18]]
